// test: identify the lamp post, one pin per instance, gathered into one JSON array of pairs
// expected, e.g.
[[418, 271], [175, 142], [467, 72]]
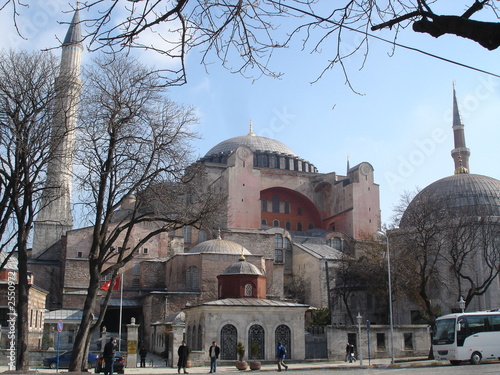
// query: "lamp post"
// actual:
[[461, 304], [391, 325], [360, 353]]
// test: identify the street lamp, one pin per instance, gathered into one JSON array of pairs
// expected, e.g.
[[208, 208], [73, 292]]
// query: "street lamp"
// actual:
[[390, 293], [461, 304], [359, 318]]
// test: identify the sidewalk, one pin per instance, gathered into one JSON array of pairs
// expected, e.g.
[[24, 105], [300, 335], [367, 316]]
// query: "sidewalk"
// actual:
[[267, 367]]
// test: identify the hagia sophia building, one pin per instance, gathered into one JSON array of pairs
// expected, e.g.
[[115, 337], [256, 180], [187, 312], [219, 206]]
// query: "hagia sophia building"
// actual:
[[286, 228]]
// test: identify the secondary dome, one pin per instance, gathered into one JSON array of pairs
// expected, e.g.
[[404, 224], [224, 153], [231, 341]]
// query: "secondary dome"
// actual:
[[242, 267], [252, 141], [219, 246], [462, 194]]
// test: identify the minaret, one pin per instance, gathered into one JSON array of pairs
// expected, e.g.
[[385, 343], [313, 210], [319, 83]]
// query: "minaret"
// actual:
[[460, 153], [54, 218]]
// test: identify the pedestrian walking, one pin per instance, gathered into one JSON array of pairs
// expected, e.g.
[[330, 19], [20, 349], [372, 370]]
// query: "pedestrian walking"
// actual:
[[143, 353], [280, 356], [183, 353], [351, 353], [213, 353]]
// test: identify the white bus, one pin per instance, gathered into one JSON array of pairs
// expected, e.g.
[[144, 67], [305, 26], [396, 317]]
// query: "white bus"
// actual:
[[467, 337]]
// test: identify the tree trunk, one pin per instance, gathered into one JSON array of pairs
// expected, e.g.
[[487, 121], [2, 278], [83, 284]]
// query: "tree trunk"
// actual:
[[22, 360], [80, 347]]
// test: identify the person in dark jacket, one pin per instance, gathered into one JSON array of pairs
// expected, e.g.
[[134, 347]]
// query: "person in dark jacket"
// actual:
[[213, 353], [183, 353], [109, 356], [143, 353]]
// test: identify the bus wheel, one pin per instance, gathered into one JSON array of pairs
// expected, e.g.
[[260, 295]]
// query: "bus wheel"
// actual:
[[475, 358], [455, 363]]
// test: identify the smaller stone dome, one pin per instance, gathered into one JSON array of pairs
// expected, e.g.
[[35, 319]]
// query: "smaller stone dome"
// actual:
[[242, 267], [219, 246]]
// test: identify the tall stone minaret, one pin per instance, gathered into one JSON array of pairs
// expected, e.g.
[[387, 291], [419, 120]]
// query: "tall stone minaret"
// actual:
[[54, 218], [460, 153]]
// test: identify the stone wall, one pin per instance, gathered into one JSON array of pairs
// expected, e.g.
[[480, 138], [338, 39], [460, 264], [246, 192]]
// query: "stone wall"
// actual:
[[409, 341]]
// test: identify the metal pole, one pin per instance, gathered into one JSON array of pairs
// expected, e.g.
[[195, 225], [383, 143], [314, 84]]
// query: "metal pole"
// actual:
[[360, 352], [391, 324], [58, 346], [368, 337]]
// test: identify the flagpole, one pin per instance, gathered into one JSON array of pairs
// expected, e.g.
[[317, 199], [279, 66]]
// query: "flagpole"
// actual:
[[121, 308]]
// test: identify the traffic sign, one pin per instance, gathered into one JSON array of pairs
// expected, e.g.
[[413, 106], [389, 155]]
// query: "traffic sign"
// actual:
[[59, 326]]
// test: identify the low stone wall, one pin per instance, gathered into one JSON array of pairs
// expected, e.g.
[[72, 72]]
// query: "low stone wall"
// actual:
[[409, 341]]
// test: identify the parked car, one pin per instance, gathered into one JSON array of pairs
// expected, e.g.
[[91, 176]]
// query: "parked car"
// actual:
[[118, 367], [65, 358]]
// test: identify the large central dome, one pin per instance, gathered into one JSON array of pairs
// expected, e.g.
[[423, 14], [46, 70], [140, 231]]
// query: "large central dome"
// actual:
[[267, 153], [255, 143]]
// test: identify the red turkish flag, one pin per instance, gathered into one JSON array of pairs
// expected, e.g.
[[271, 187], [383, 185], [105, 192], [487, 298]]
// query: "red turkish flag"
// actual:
[[107, 284]]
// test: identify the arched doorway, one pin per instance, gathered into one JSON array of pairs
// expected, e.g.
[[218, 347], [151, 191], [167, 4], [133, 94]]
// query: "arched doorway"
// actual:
[[228, 338]]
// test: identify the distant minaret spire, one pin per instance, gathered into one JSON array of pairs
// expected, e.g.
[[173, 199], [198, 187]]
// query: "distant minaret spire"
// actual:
[[348, 165], [460, 153], [55, 217]]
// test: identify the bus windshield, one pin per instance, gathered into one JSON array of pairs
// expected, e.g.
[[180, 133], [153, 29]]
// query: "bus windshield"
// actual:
[[444, 332]]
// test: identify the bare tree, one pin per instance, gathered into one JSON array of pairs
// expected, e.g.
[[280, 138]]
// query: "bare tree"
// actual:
[[472, 252], [27, 94], [348, 282], [132, 142], [420, 249], [243, 34]]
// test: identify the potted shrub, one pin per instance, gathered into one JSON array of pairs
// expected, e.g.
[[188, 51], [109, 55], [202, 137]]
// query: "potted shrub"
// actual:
[[254, 350], [240, 350]]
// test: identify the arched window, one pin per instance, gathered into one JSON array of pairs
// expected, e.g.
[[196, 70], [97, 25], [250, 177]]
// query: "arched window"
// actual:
[[276, 223], [228, 341], [311, 225], [256, 339], [288, 225], [299, 227], [263, 222], [287, 207], [248, 290], [193, 278], [335, 242]]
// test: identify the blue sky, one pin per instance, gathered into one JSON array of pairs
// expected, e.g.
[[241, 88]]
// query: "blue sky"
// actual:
[[401, 123]]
